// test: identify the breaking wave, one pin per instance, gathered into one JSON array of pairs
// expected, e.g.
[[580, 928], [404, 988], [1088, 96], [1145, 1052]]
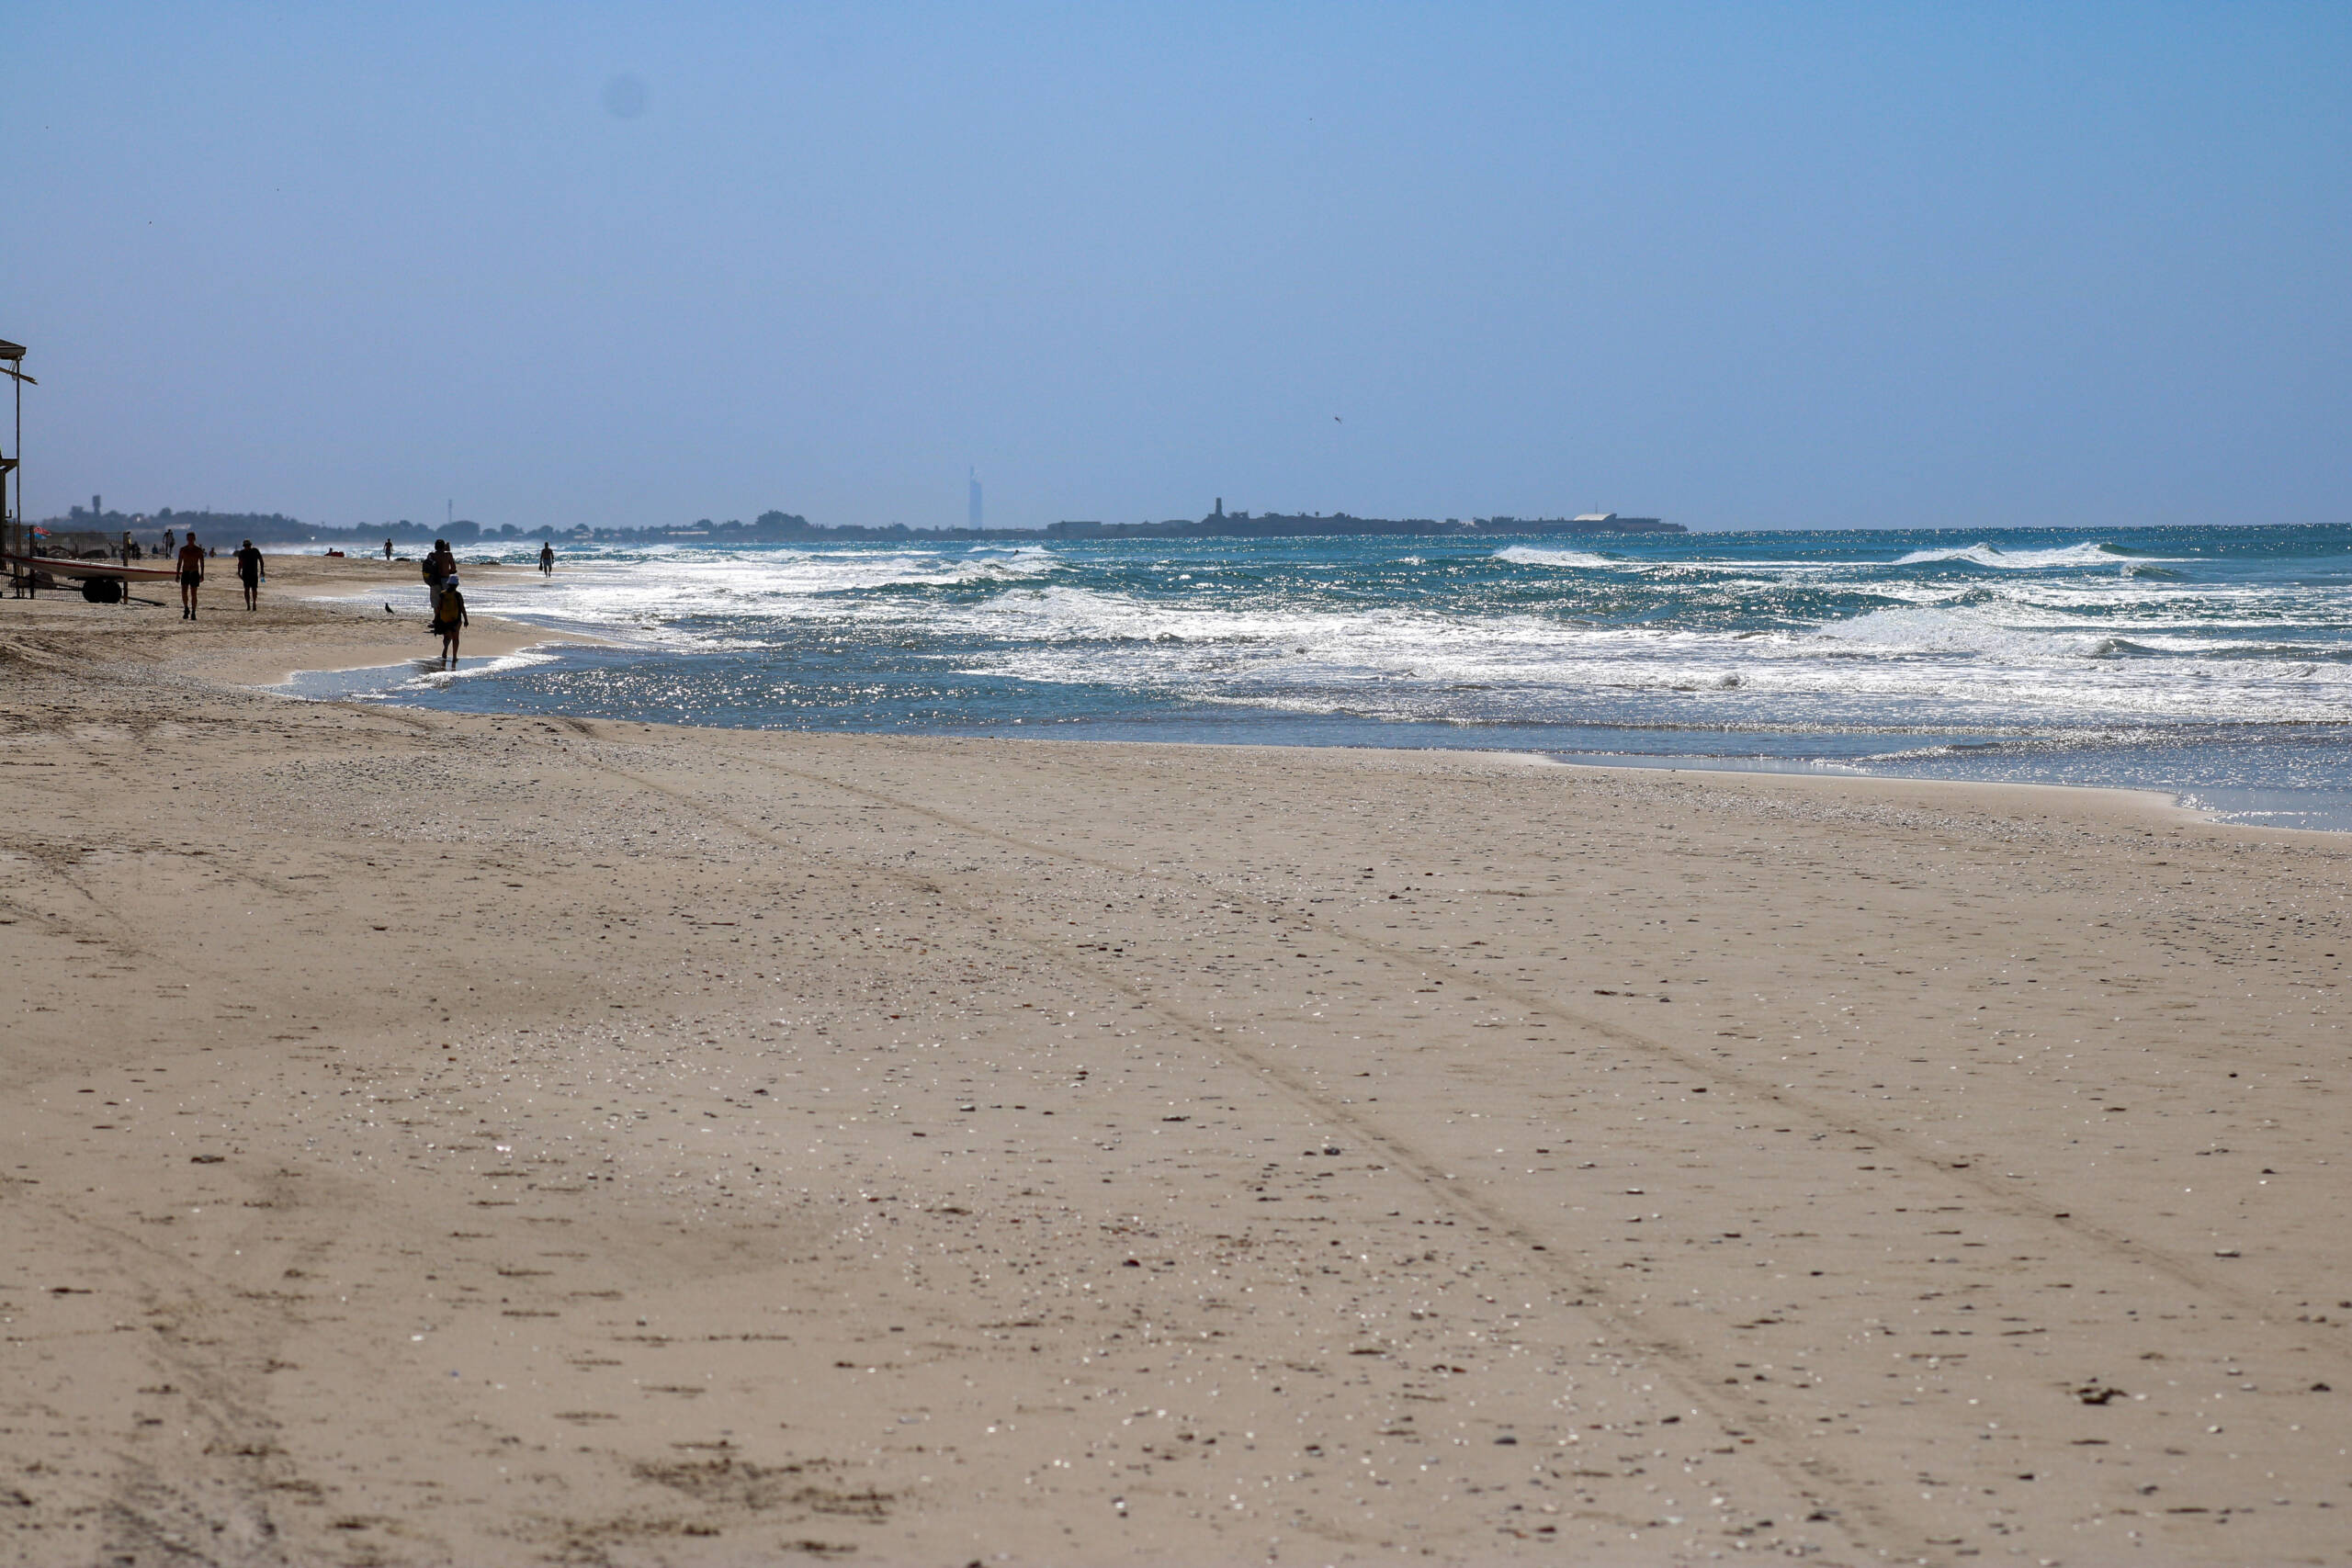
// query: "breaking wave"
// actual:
[[2085, 554]]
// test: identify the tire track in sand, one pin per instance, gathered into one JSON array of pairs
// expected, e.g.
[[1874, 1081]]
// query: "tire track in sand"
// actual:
[[1839, 1499], [1905, 1145]]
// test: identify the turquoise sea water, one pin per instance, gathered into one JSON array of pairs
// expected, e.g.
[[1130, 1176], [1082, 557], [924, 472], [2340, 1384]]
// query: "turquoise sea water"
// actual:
[[2214, 664]]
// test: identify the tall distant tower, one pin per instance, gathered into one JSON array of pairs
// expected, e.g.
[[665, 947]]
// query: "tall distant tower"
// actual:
[[976, 498]]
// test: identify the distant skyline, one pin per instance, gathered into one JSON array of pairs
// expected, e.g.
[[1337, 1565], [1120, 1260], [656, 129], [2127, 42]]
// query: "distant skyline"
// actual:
[[1835, 266]]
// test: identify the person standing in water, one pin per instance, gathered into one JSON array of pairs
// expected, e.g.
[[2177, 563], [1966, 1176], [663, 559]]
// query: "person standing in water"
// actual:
[[449, 619], [546, 558], [249, 573], [388, 549], [191, 565]]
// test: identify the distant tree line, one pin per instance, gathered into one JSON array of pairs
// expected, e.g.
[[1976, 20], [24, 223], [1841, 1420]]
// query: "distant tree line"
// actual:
[[1293, 526], [86, 529], [271, 527], [85, 526]]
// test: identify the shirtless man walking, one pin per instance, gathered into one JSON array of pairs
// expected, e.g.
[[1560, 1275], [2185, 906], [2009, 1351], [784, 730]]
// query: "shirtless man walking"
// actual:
[[191, 562]]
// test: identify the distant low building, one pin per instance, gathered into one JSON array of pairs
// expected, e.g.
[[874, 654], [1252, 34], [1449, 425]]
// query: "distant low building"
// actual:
[[1584, 523]]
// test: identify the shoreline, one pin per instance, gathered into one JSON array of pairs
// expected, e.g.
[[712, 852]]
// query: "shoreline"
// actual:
[[2165, 799], [2285, 774], [2174, 798], [496, 1138]]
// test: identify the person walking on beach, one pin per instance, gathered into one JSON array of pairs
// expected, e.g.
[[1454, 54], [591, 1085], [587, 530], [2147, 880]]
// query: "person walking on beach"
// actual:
[[388, 549], [191, 564], [249, 573], [438, 566], [546, 558], [449, 618]]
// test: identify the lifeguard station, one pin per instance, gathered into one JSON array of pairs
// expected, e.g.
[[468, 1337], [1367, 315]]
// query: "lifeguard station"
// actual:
[[29, 569], [13, 535]]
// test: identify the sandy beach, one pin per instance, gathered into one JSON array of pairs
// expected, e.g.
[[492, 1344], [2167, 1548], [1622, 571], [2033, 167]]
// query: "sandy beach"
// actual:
[[437, 1139]]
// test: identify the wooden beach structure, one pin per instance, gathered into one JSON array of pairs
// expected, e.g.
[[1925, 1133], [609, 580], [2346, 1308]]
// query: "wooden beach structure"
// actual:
[[103, 582], [16, 532]]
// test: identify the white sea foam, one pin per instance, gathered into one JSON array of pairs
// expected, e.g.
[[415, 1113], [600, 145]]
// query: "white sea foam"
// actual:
[[423, 672], [1923, 628], [1539, 555], [2086, 554], [467, 670], [2032, 642], [1971, 660], [650, 598]]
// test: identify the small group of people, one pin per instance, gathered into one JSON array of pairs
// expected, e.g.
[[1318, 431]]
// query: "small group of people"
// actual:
[[189, 560], [448, 600]]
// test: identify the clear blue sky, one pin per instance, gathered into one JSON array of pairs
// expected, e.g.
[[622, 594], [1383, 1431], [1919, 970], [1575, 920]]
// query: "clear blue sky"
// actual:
[[1741, 266]]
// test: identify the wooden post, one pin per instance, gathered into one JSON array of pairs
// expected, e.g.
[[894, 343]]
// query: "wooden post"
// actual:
[[16, 529]]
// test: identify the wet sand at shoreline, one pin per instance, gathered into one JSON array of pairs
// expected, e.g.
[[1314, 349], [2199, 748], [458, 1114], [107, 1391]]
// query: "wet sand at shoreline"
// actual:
[[437, 1138]]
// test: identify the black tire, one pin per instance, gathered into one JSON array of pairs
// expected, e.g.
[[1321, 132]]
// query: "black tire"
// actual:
[[101, 590]]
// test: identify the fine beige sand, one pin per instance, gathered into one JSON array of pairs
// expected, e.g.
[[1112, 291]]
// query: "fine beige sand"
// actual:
[[441, 1140]]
